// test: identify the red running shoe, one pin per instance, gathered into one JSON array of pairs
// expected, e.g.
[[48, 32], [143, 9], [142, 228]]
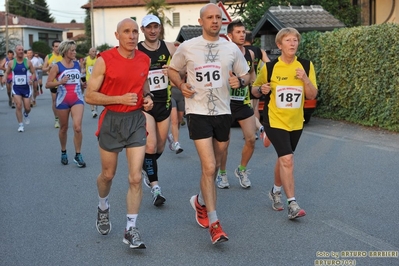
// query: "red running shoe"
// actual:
[[201, 214], [217, 234]]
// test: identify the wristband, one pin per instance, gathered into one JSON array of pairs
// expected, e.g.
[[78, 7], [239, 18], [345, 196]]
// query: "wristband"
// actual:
[[148, 94]]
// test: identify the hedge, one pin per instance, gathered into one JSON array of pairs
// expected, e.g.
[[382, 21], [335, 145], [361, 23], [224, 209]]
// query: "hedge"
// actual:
[[357, 74]]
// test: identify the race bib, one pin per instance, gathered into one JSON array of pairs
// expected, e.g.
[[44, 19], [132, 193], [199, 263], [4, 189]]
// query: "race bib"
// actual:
[[238, 94], [20, 80], [90, 69], [208, 75], [157, 80], [72, 74], [289, 96]]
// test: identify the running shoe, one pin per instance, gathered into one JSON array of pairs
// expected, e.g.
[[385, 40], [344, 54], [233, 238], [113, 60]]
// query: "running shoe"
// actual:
[[157, 198], [79, 161], [177, 147], [144, 176], [243, 177], [64, 158], [133, 239], [277, 205], [13, 105], [170, 140], [26, 119], [265, 139], [94, 113], [294, 211], [217, 234], [183, 122], [256, 135], [103, 224], [222, 181], [201, 215], [21, 128], [57, 123]]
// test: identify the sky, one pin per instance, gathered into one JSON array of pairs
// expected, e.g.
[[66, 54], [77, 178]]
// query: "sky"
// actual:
[[63, 10]]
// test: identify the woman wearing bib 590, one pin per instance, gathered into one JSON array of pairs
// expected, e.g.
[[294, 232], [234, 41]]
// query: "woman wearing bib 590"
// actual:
[[66, 76], [285, 92]]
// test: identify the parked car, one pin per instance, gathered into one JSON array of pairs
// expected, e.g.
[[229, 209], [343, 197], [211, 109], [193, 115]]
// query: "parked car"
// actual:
[[308, 109]]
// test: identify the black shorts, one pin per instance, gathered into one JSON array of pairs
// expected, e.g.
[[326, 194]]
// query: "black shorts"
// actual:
[[284, 142], [206, 126], [54, 90], [122, 130], [159, 111], [240, 111]]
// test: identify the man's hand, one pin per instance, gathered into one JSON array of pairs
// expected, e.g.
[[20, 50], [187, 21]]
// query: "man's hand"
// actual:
[[129, 99], [148, 104]]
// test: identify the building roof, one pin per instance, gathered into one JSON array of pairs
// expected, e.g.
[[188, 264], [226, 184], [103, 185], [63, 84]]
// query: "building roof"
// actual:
[[188, 31], [26, 22], [133, 3], [302, 18], [71, 26]]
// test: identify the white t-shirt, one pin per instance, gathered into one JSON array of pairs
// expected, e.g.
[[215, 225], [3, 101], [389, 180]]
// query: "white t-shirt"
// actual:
[[208, 65]]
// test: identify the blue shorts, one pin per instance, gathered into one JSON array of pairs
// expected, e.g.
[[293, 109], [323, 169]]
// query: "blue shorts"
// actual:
[[24, 92]]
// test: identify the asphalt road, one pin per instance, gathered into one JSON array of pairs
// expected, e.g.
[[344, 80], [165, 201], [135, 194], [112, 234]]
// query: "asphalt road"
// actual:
[[346, 180]]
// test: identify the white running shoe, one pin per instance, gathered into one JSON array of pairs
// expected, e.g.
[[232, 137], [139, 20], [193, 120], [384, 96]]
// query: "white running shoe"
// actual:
[[21, 128]]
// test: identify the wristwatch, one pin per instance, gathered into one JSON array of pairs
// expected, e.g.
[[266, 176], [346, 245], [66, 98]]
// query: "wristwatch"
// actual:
[[242, 82]]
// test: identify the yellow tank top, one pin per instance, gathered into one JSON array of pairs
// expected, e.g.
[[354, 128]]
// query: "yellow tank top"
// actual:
[[89, 66]]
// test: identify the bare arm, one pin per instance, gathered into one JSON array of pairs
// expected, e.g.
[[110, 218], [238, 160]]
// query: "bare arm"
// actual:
[[32, 70], [46, 67], [8, 71], [95, 97], [175, 78], [51, 81], [265, 58]]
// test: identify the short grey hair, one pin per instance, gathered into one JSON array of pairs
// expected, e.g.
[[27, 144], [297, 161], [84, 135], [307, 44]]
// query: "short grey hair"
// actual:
[[65, 46]]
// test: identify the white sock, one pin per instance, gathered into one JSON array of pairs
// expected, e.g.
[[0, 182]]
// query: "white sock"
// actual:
[[131, 220], [201, 199], [291, 199], [103, 203], [276, 188], [212, 216]]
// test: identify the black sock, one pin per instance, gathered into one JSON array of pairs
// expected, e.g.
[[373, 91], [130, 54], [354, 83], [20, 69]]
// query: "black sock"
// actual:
[[77, 154], [151, 167], [63, 152]]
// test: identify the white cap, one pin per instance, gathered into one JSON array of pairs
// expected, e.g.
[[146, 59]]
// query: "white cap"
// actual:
[[150, 19]]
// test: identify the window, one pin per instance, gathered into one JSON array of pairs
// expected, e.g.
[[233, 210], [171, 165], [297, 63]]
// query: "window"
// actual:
[[176, 19], [30, 40]]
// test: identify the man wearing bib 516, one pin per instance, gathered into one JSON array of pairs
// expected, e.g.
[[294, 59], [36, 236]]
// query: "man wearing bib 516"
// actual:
[[283, 113], [65, 76], [210, 62], [119, 83], [21, 90], [158, 119]]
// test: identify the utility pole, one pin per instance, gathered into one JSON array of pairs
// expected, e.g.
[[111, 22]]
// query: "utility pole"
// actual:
[[6, 20], [91, 23]]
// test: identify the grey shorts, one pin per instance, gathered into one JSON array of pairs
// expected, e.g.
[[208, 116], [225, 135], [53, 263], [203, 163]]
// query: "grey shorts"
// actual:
[[122, 130], [179, 99]]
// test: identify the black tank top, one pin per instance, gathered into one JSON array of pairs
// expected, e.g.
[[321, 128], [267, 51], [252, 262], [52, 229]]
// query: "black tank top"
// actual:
[[159, 57]]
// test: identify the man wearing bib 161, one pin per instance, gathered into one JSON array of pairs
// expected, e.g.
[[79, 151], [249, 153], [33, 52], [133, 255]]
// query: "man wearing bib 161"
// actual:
[[283, 113], [210, 62], [158, 119]]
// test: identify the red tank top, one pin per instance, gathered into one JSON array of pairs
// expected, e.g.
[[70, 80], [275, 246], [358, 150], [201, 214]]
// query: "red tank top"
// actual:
[[124, 75]]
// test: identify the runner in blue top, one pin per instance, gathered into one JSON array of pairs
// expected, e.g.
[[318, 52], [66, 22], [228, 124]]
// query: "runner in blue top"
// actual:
[[19, 68]]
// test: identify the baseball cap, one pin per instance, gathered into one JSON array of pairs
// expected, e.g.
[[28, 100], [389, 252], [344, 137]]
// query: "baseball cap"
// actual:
[[150, 19]]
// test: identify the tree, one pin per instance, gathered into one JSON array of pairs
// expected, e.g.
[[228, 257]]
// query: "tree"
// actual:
[[158, 8], [21, 8], [42, 11], [38, 9]]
